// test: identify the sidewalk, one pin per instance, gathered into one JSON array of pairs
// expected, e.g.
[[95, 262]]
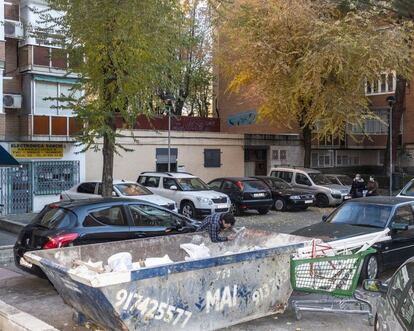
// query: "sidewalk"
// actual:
[[15, 222]]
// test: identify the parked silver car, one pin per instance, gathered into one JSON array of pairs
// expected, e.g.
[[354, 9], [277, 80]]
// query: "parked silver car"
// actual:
[[396, 307], [326, 193]]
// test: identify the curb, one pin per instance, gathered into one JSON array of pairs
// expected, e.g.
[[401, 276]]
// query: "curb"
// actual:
[[13, 319], [6, 255], [10, 226]]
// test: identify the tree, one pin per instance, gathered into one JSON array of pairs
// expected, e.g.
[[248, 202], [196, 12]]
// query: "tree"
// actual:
[[195, 78], [310, 61], [121, 51]]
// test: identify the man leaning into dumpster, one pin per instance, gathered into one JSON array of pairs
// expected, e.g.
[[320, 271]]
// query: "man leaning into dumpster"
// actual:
[[215, 223]]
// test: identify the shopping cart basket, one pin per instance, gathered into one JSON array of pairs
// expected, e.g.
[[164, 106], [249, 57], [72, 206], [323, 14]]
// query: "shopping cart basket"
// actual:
[[336, 276]]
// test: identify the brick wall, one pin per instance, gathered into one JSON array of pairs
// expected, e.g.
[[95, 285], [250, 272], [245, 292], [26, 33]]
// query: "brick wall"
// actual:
[[408, 125], [13, 82]]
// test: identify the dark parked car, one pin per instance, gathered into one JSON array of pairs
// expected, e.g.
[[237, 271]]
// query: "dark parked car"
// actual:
[[395, 311], [80, 222], [366, 215], [285, 197], [244, 193]]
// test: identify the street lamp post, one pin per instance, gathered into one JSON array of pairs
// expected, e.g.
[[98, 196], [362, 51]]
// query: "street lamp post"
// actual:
[[391, 102], [169, 99]]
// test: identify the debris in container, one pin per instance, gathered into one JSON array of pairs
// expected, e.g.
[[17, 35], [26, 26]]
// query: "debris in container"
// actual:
[[155, 261], [195, 251], [120, 262], [96, 267]]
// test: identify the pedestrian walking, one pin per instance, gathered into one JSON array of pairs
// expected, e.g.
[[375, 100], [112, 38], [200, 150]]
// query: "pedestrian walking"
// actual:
[[372, 187], [216, 223], [358, 187]]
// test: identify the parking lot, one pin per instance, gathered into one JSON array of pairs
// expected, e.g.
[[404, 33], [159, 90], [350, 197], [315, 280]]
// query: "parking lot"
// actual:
[[16, 287]]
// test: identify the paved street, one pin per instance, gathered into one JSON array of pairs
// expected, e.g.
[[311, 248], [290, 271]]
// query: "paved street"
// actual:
[[16, 287], [7, 238]]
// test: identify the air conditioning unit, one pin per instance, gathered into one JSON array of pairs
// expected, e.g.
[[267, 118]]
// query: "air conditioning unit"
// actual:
[[13, 29], [12, 101]]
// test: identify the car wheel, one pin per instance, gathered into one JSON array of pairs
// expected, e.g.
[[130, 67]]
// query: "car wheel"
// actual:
[[234, 209], [371, 267], [280, 205], [188, 209], [322, 201], [263, 211]]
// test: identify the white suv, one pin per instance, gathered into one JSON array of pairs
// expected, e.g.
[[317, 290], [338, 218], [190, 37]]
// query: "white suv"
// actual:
[[193, 197], [121, 188]]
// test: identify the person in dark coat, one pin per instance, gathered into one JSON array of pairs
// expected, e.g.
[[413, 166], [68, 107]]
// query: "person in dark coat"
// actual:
[[358, 187], [372, 187]]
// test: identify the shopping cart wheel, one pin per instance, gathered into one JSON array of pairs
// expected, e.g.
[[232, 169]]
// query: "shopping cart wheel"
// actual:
[[371, 320]]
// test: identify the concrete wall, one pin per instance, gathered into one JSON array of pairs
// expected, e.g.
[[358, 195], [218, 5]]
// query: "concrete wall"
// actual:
[[190, 145]]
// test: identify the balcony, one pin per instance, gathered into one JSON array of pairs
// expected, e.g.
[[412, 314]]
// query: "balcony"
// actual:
[[178, 123]]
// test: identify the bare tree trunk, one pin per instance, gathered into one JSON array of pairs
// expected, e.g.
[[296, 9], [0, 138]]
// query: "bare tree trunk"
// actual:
[[108, 166], [397, 112], [307, 141]]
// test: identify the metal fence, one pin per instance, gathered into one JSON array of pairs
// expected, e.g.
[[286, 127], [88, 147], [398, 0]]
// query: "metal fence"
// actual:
[[53, 177], [16, 194], [18, 185]]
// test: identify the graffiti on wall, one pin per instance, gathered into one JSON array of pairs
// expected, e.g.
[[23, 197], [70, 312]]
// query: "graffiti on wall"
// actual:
[[243, 118]]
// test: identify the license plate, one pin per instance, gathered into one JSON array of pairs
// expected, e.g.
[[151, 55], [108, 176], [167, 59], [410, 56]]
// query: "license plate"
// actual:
[[347, 197], [222, 205], [24, 263], [259, 195], [308, 201]]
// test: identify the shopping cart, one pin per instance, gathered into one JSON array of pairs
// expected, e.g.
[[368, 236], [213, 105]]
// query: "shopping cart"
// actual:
[[336, 276]]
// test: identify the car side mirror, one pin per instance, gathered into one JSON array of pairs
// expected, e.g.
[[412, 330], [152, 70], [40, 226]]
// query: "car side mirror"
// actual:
[[374, 285], [399, 227], [324, 218], [114, 194], [173, 187]]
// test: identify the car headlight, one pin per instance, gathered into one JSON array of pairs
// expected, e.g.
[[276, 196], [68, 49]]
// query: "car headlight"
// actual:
[[295, 197], [205, 200], [335, 191]]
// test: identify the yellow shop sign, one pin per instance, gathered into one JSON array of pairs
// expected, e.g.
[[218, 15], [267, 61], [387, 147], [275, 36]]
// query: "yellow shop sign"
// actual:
[[40, 151]]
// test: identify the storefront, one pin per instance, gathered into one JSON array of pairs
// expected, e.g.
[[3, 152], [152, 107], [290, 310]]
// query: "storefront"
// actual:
[[45, 170]]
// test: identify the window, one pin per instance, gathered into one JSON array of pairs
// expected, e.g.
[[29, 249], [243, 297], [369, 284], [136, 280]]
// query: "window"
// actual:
[[110, 216], [406, 312], [275, 154], [322, 159], [53, 177], [168, 182], [212, 158], [161, 155], [152, 181], [215, 185], [282, 155], [44, 90], [404, 215], [373, 125], [303, 180], [144, 215], [88, 188], [398, 285], [385, 83], [285, 175], [229, 186]]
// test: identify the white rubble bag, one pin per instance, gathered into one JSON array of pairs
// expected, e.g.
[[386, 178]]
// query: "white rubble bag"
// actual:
[[120, 262], [195, 251]]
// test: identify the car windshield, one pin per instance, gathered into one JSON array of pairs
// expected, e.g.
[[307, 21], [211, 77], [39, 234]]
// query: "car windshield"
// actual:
[[345, 180], [253, 185], [54, 218], [361, 214], [319, 179], [408, 190], [192, 184], [281, 184], [132, 189]]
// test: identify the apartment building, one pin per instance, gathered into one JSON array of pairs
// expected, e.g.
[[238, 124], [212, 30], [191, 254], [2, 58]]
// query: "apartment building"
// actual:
[[35, 131], [272, 144]]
